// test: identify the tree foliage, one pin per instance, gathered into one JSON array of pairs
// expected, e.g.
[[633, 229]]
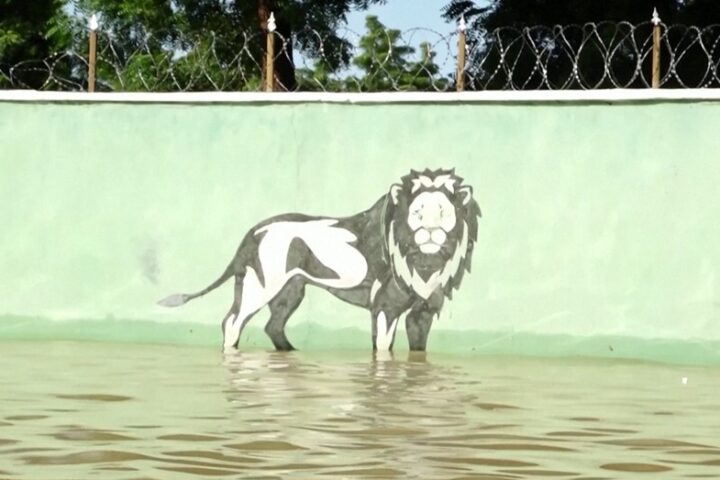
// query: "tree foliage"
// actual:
[[176, 44], [521, 13], [219, 44], [28, 30], [484, 19], [383, 63], [225, 35]]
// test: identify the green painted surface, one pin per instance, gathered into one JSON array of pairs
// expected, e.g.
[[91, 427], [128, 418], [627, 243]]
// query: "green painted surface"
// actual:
[[310, 336], [599, 221]]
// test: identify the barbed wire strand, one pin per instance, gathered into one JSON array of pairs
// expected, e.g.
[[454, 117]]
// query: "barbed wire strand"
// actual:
[[588, 56]]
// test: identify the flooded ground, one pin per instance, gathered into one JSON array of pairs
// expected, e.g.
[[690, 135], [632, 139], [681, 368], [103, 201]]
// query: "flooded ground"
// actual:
[[92, 410]]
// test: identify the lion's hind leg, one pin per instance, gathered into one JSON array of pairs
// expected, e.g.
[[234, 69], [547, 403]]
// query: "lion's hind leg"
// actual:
[[250, 296], [229, 318], [281, 308]]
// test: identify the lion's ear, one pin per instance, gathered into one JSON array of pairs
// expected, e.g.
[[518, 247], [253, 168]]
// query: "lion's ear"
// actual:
[[467, 193], [395, 192]]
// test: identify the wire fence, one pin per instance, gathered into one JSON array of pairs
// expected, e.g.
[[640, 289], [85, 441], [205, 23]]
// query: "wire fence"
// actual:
[[589, 56]]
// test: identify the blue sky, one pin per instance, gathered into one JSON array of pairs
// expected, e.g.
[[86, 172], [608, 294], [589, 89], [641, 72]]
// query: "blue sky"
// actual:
[[419, 20], [403, 15]]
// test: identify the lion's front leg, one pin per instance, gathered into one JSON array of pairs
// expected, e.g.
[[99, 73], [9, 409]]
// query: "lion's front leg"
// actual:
[[388, 306], [420, 319], [417, 326]]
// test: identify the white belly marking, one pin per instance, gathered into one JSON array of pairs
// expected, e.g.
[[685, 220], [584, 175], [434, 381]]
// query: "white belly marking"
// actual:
[[330, 244]]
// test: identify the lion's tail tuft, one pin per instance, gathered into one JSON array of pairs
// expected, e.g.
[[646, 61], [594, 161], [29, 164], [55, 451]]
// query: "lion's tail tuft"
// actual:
[[174, 300]]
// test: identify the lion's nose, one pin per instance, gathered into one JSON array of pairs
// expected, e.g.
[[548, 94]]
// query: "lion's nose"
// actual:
[[435, 235], [432, 219], [438, 236]]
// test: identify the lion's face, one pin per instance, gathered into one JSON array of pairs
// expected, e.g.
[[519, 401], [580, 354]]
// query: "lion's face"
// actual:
[[430, 202], [431, 216], [433, 223]]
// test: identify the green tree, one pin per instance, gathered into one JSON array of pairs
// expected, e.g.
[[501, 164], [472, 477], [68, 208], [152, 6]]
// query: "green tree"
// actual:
[[29, 30], [320, 77], [386, 64], [492, 23], [202, 44]]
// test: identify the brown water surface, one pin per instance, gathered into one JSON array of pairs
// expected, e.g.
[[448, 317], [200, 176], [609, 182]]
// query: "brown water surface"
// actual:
[[90, 410]]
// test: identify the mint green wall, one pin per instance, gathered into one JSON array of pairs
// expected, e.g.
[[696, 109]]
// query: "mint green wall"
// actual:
[[597, 219]]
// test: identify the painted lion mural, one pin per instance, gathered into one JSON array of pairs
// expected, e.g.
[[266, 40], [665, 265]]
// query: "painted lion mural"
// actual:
[[399, 259]]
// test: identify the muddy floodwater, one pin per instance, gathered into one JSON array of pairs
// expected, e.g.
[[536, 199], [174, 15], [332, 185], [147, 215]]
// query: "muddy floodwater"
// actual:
[[109, 411]]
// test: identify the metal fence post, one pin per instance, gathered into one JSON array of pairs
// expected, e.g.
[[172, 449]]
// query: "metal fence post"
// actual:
[[656, 50], [92, 56], [460, 74], [270, 54]]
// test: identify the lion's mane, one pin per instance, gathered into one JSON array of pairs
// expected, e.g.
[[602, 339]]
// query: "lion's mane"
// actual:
[[422, 272]]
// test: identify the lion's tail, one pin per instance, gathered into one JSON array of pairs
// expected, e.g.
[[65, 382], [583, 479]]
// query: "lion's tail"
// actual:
[[182, 298]]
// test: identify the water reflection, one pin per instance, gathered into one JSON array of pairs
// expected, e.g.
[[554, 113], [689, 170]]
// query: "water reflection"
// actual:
[[373, 388], [179, 413]]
